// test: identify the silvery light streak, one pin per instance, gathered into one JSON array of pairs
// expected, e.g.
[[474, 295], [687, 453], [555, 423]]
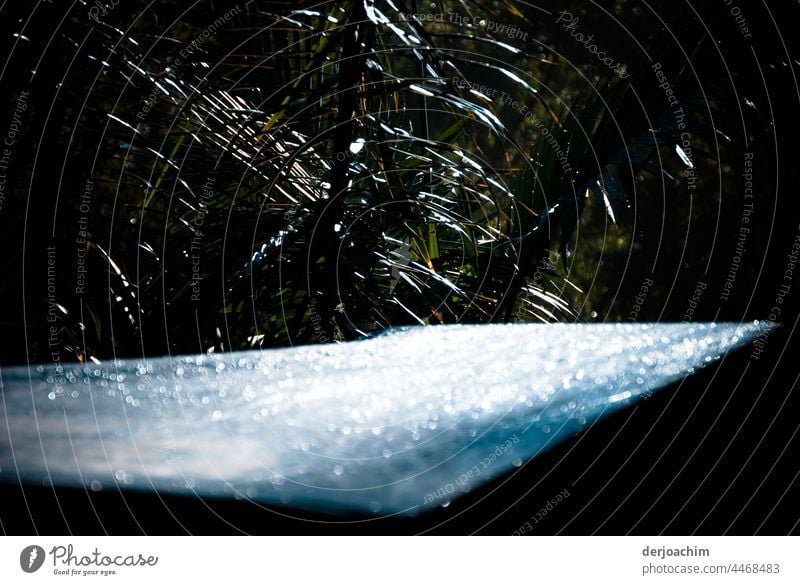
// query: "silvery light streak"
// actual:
[[394, 424]]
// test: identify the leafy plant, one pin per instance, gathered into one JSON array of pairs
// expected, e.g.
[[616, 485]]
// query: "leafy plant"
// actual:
[[316, 172]]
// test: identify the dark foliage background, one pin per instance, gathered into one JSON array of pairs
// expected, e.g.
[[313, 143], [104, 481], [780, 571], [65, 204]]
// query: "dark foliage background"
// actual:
[[219, 181]]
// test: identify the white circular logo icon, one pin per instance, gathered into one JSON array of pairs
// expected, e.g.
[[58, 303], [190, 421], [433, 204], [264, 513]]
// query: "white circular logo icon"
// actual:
[[31, 558]]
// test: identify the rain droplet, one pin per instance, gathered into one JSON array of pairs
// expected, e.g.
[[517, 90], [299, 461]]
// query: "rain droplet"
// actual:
[[356, 146]]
